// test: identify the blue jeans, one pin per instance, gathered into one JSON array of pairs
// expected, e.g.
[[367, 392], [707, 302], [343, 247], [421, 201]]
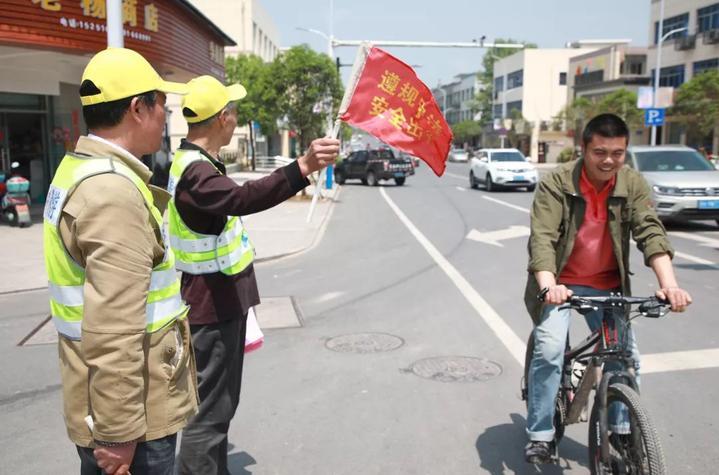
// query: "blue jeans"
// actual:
[[155, 457], [544, 377]]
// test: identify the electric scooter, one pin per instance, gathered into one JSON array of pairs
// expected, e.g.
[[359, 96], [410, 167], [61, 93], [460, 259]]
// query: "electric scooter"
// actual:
[[15, 198]]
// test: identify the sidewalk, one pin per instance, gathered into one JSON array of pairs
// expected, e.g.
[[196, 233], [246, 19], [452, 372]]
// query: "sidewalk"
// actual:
[[277, 232]]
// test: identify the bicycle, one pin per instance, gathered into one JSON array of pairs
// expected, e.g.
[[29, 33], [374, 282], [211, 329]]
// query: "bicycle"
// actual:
[[638, 452]]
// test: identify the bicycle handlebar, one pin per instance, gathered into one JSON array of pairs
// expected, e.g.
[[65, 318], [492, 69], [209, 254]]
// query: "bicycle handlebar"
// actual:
[[653, 307]]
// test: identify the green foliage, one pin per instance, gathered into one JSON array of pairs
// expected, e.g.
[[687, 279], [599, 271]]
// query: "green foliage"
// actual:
[[485, 96], [260, 104], [464, 131], [621, 102], [302, 78], [566, 155], [697, 102]]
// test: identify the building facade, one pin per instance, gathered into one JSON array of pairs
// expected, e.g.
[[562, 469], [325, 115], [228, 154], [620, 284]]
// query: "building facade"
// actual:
[[531, 86], [254, 32], [44, 47], [692, 49], [596, 74], [457, 99]]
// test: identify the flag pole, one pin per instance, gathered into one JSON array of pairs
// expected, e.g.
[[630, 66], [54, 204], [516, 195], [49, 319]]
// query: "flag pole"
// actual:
[[357, 67]]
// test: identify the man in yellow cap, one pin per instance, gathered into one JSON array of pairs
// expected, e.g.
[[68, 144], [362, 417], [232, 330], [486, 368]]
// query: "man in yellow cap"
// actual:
[[128, 378], [215, 256]]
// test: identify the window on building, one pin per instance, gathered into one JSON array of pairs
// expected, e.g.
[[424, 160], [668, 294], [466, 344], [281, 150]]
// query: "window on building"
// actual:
[[562, 79], [633, 65], [708, 18], [497, 111], [515, 79], [706, 65], [673, 23], [514, 106], [499, 84], [592, 77], [671, 76]]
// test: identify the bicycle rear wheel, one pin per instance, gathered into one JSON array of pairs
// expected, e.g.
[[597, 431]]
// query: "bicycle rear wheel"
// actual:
[[639, 452]]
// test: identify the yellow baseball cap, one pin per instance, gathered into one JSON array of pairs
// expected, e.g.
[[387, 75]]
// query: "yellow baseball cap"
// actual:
[[118, 73], [207, 97]]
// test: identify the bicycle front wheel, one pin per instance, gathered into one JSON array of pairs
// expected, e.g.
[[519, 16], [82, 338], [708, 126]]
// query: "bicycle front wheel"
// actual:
[[638, 452]]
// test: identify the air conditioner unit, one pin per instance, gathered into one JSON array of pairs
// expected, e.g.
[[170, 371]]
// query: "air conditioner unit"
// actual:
[[711, 37], [684, 43]]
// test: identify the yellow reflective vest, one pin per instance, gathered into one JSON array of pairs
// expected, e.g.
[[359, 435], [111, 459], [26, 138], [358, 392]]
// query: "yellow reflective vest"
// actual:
[[66, 277], [230, 252]]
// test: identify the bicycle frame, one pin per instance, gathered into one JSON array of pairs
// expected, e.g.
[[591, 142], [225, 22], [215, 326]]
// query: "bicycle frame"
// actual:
[[606, 347]]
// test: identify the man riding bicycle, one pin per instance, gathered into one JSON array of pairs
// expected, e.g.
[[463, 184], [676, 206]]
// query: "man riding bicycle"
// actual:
[[583, 216]]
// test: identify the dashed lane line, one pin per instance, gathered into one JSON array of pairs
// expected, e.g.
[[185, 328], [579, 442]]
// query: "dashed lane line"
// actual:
[[680, 360]]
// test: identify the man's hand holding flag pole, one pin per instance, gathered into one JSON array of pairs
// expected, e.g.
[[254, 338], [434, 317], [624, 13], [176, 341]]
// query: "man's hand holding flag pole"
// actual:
[[385, 98]]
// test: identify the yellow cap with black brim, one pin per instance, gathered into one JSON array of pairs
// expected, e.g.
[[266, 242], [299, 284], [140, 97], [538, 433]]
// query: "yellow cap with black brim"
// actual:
[[207, 96], [119, 73]]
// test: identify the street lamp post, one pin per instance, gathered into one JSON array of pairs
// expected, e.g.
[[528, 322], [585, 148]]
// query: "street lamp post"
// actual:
[[444, 98], [658, 67]]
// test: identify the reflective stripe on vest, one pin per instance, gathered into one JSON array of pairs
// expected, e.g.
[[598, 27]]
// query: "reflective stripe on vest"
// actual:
[[67, 278], [230, 252]]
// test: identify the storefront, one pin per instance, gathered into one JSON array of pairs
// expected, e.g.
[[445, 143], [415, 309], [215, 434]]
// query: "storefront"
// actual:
[[44, 47]]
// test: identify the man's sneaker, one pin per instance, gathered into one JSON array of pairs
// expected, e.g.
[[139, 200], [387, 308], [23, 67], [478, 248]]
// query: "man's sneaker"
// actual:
[[538, 452]]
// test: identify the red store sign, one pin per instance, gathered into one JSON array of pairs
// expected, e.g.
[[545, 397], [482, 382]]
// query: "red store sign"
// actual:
[[169, 33]]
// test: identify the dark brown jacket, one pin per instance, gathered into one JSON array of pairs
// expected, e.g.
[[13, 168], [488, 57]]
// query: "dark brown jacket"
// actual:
[[204, 198]]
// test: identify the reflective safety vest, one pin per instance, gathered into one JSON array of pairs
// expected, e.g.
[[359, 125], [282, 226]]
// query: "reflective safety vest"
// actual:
[[230, 253], [66, 277]]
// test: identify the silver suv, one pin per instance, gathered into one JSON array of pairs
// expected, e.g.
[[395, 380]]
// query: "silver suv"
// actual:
[[684, 184]]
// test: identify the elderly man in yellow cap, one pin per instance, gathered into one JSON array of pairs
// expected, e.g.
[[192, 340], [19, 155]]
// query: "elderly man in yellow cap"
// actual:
[[128, 378], [215, 256]]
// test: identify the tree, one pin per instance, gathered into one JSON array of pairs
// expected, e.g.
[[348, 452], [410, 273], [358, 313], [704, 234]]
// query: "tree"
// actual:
[[621, 102], [485, 97], [303, 82], [466, 130], [261, 102], [697, 102]]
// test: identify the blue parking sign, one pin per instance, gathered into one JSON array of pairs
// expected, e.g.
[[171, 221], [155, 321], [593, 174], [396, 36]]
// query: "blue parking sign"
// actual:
[[653, 117]]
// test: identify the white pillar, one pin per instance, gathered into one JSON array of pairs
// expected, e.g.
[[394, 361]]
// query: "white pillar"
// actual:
[[115, 38]]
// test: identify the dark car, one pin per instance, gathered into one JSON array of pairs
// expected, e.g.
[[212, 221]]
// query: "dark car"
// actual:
[[371, 166]]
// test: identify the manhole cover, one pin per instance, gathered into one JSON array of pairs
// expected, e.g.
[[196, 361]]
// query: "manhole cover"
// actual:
[[456, 369], [364, 343]]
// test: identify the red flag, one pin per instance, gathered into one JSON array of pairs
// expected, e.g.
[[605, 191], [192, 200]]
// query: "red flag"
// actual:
[[391, 103]]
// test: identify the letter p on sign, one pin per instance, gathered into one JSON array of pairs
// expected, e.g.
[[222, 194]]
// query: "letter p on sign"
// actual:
[[653, 117]]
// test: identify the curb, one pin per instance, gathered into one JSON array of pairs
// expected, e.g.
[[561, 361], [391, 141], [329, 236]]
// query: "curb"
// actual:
[[315, 241]]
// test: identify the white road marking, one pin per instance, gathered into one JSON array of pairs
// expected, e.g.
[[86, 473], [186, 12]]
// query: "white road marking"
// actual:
[[459, 177], [509, 205], [329, 296], [493, 237], [461, 188], [652, 363], [706, 241], [511, 341], [680, 361], [697, 260]]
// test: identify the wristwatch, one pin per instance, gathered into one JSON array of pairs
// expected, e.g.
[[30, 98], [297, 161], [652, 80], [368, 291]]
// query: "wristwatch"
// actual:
[[101, 443], [542, 294]]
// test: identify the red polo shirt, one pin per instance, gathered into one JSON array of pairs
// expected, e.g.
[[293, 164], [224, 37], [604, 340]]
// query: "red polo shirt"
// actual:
[[592, 262]]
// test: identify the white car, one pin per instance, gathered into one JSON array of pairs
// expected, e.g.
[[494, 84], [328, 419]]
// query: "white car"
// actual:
[[502, 167], [458, 155]]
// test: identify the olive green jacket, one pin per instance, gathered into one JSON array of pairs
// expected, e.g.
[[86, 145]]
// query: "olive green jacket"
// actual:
[[557, 214]]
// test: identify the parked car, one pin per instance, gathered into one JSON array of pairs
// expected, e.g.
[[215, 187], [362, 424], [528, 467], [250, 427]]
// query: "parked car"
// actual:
[[684, 184], [371, 166], [502, 167], [458, 155]]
